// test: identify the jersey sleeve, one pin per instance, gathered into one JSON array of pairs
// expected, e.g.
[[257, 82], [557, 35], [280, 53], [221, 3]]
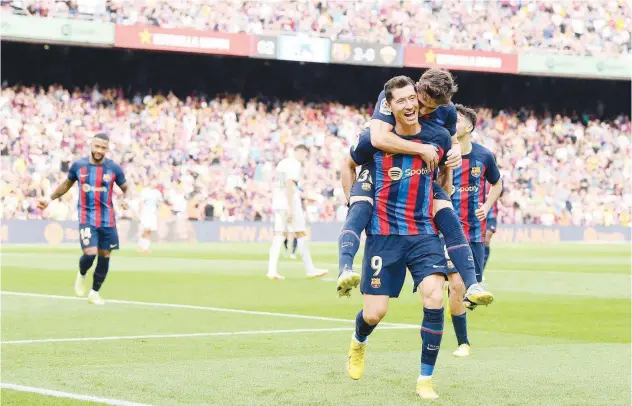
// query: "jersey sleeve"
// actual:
[[120, 176], [450, 120], [73, 172], [445, 144], [382, 112], [362, 152], [493, 173]]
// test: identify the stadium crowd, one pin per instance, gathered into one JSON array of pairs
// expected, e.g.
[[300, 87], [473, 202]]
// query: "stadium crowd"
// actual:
[[215, 158], [586, 27]]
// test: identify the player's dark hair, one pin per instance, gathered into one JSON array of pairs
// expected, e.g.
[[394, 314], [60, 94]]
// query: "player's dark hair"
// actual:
[[102, 136], [438, 84], [468, 113], [395, 83], [301, 146]]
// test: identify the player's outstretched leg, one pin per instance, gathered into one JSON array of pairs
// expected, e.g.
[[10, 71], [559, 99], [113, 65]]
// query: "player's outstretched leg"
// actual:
[[303, 249], [85, 263], [100, 273], [458, 315], [431, 333], [460, 254], [374, 310], [348, 243]]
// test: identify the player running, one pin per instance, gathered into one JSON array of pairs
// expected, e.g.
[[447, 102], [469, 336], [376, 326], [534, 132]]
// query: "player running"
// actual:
[[150, 199], [288, 213], [469, 197], [434, 91], [492, 222], [400, 233], [97, 224]]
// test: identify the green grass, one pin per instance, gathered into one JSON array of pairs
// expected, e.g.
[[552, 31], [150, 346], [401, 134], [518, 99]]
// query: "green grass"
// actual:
[[558, 333]]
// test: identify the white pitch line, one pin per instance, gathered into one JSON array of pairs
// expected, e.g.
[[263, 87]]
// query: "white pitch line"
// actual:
[[66, 395], [208, 308], [191, 335]]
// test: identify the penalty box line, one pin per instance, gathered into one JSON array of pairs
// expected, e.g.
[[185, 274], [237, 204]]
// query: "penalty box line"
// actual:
[[191, 335], [67, 395], [206, 308]]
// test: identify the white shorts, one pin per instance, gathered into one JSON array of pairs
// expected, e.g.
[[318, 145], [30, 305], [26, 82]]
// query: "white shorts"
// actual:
[[149, 221], [280, 222]]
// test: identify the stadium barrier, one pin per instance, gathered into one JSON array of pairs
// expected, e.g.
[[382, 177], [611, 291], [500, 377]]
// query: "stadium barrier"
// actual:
[[54, 232]]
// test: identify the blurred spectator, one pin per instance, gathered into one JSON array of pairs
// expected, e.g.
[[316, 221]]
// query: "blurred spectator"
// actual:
[[215, 158], [584, 27]]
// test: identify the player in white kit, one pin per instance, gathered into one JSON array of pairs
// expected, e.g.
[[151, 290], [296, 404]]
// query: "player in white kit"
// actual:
[[150, 199], [288, 213]]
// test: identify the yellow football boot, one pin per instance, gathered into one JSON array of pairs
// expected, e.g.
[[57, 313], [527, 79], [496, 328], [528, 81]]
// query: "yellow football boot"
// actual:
[[425, 389], [463, 351], [355, 359]]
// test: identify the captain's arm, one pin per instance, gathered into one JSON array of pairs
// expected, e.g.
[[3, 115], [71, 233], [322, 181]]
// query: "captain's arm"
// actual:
[[347, 175]]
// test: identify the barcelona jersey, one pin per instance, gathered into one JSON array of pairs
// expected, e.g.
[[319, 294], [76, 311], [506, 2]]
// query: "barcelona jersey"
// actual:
[[403, 183], [469, 193], [95, 190]]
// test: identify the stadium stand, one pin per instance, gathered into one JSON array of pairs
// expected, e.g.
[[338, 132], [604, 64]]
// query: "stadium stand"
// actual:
[[214, 158], [586, 27]]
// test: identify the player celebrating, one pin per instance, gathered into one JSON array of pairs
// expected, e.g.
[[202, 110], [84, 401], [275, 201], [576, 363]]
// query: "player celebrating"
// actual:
[[400, 233], [150, 199], [468, 195], [434, 90], [288, 213], [97, 225], [491, 228]]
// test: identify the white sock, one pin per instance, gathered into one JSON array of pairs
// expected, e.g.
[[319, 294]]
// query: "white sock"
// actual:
[[275, 251], [301, 246]]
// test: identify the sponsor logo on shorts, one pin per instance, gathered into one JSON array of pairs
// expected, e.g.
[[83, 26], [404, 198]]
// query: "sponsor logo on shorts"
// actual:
[[438, 266], [113, 245], [376, 283]]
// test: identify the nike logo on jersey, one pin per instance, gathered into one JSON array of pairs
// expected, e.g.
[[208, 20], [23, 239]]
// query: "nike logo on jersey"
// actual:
[[83, 176], [389, 155]]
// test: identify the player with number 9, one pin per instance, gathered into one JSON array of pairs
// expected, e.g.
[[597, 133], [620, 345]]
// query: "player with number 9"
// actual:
[[97, 224]]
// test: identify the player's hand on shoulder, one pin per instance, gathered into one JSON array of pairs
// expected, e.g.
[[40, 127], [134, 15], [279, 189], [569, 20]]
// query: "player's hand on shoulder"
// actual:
[[430, 155], [454, 157]]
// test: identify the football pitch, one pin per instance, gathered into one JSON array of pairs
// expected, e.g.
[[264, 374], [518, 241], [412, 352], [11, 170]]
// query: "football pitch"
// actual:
[[201, 325]]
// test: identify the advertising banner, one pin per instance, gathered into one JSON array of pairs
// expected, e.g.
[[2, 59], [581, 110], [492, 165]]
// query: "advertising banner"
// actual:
[[54, 232], [264, 47], [56, 30], [181, 40], [420, 57], [575, 66], [351, 53], [303, 49]]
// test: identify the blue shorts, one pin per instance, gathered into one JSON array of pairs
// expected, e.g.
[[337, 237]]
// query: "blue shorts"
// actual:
[[478, 252], [438, 192], [363, 185], [104, 238], [386, 258], [491, 225]]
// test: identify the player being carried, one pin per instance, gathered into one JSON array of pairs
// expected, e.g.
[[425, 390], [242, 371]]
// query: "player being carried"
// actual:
[[150, 199], [434, 90], [400, 234], [288, 213], [97, 224]]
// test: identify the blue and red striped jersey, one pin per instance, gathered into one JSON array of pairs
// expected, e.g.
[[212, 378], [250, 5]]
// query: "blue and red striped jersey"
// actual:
[[493, 212], [403, 184], [444, 115], [95, 190], [469, 192]]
